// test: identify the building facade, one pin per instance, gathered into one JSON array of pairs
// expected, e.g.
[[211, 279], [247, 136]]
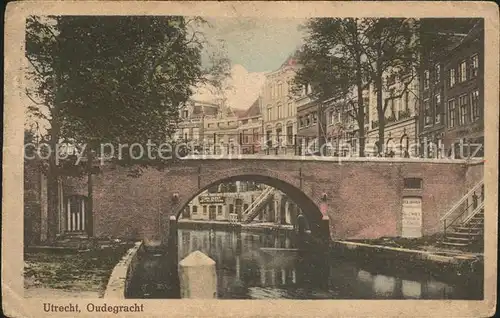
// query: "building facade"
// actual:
[[192, 116], [401, 115], [342, 128], [464, 96], [308, 127], [250, 129], [228, 201], [278, 107], [451, 91]]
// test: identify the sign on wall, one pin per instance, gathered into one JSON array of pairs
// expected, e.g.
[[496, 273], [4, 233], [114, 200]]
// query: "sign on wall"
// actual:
[[212, 200], [412, 217]]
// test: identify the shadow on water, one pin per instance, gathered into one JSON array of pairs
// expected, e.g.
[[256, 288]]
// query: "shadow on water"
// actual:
[[245, 271]]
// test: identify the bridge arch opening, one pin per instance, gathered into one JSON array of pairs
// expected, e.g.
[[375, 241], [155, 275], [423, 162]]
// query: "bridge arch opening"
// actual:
[[294, 196]]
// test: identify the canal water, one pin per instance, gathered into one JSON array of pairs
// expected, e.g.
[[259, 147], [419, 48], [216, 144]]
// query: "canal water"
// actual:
[[245, 271]]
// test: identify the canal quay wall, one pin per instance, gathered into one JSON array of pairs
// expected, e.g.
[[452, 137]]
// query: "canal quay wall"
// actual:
[[363, 197], [123, 272], [447, 265], [238, 227]]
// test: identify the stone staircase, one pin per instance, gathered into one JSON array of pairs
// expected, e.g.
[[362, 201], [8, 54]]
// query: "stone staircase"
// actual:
[[260, 202], [464, 223]]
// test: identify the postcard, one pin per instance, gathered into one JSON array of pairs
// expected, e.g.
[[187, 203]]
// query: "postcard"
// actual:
[[243, 159]]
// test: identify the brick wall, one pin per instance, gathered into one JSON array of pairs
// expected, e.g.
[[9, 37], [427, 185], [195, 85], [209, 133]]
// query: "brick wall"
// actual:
[[32, 202], [364, 198]]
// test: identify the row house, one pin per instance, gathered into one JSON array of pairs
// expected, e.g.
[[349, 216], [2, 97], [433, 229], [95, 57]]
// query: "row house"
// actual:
[[250, 129], [452, 108], [401, 95], [278, 107], [341, 126], [308, 127], [214, 127], [192, 115]]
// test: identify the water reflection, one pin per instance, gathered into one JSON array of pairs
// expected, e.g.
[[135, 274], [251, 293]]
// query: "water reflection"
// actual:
[[245, 271]]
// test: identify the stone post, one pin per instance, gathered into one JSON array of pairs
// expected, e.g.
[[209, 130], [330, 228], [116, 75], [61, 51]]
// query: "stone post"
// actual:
[[198, 278], [301, 229], [325, 230]]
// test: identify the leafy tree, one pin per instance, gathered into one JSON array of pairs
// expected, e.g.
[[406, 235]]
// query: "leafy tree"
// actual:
[[333, 63], [391, 48], [344, 54], [113, 79]]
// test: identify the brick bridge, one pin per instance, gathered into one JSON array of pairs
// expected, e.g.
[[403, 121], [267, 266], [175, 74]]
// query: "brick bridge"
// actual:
[[363, 196]]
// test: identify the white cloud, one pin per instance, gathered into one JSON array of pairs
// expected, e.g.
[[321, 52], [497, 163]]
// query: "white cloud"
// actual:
[[244, 88]]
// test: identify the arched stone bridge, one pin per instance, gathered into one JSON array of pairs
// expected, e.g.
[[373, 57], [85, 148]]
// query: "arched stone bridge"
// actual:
[[363, 195]]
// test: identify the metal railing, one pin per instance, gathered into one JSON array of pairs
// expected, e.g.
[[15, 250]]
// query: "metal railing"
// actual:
[[466, 208], [249, 213], [223, 143]]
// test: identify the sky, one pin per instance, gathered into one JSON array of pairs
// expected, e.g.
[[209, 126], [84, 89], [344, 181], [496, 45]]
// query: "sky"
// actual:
[[255, 46]]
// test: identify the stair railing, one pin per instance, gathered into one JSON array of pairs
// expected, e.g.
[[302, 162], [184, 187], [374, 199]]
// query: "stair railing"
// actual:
[[257, 200], [250, 211], [465, 208], [252, 214], [480, 207]]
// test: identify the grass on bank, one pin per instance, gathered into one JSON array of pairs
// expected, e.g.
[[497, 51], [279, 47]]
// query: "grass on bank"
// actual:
[[76, 271]]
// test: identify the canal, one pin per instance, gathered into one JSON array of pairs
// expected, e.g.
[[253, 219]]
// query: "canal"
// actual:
[[248, 267]]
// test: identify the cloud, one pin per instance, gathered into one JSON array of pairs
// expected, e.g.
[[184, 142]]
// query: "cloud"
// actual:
[[244, 88], [259, 44]]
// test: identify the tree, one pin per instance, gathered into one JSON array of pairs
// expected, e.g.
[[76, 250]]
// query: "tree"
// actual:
[[114, 79], [391, 48], [333, 63]]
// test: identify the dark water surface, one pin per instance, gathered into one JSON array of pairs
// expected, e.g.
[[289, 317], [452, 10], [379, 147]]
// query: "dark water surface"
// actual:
[[244, 271]]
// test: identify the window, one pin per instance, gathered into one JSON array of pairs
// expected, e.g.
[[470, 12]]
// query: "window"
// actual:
[[194, 210], [75, 213], [185, 114], [451, 77], [426, 79], [280, 111], [451, 113], [462, 71], [301, 122], [269, 112], [289, 135], [427, 112], [463, 110], [413, 183], [437, 108], [290, 110], [280, 88], [437, 73], [219, 210], [474, 101], [474, 66], [314, 117], [204, 210], [231, 208], [308, 120]]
